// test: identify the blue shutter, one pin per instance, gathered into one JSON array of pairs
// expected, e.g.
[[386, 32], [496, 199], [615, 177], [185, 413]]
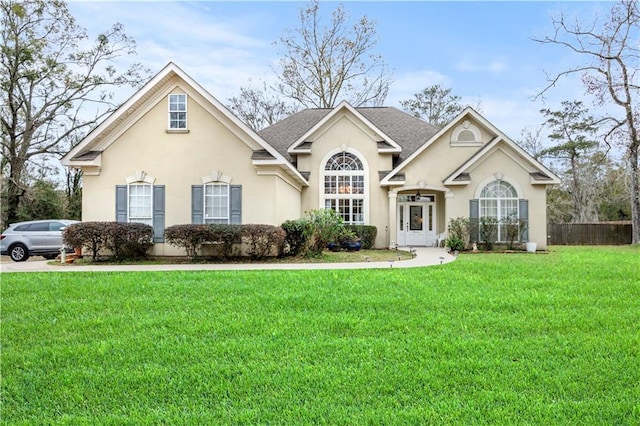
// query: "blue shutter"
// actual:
[[121, 203], [474, 220], [236, 204], [158, 213], [524, 215], [197, 204]]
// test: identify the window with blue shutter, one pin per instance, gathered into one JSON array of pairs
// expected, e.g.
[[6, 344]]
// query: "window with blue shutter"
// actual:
[[131, 205], [211, 203]]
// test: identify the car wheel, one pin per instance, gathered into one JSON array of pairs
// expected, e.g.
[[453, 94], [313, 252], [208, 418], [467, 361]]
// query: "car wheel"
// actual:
[[49, 256], [19, 252]]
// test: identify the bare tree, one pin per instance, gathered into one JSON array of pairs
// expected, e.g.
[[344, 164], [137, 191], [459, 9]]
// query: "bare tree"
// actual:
[[435, 104], [322, 65], [49, 83], [531, 141], [259, 109], [612, 59]]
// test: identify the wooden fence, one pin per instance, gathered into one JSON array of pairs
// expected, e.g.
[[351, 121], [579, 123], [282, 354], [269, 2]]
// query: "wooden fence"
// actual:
[[601, 233]]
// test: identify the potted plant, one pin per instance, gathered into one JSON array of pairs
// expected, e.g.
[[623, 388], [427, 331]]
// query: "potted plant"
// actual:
[[347, 240]]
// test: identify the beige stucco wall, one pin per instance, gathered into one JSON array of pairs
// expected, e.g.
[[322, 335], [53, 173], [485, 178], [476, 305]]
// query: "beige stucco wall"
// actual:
[[436, 163], [342, 133], [503, 162], [180, 160]]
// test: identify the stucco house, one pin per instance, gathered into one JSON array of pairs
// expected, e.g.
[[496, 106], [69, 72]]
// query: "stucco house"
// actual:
[[173, 154]]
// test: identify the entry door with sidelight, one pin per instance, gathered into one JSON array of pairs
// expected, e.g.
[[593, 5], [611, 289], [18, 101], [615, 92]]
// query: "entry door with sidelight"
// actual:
[[416, 224]]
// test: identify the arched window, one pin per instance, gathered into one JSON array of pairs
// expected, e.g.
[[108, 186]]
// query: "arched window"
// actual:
[[344, 187], [466, 134], [499, 200]]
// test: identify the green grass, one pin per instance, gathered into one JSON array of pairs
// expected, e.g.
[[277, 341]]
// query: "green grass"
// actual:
[[488, 339]]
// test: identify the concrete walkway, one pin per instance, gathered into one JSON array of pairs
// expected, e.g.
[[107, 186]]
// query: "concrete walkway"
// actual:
[[425, 256]]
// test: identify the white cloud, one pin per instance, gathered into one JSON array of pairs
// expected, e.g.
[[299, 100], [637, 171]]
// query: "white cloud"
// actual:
[[216, 50], [471, 65], [406, 84]]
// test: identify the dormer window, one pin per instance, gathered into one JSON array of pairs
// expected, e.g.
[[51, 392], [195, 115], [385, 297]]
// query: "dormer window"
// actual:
[[178, 112]]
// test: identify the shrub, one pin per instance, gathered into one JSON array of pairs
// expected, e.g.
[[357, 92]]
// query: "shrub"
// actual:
[[366, 233], [124, 240], [190, 237], [262, 239], [129, 240], [225, 236], [514, 228], [327, 226], [455, 243], [297, 235], [488, 231], [90, 235], [460, 228]]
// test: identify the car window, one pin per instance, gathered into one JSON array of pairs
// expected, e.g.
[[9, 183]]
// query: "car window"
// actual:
[[40, 226], [21, 228], [56, 226]]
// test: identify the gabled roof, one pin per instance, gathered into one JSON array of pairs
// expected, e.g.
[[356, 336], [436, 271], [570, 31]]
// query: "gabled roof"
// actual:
[[400, 132], [460, 176], [542, 176], [93, 144]]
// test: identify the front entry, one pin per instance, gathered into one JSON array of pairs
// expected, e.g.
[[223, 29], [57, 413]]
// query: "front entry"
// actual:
[[416, 224]]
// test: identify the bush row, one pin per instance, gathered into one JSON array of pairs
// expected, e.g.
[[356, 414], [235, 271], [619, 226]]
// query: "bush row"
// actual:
[[310, 234], [261, 240], [123, 240]]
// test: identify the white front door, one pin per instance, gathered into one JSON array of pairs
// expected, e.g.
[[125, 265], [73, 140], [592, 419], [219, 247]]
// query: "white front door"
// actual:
[[416, 224]]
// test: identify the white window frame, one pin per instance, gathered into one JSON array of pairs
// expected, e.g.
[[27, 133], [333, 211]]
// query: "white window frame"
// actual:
[[147, 217], [343, 200], [212, 218], [177, 121], [498, 205]]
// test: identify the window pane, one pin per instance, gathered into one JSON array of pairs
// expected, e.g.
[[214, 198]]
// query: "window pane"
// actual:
[[140, 209], [357, 211], [330, 185], [177, 111], [344, 161], [499, 200], [344, 180], [344, 185], [216, 203], [357, 185], [415, 219]]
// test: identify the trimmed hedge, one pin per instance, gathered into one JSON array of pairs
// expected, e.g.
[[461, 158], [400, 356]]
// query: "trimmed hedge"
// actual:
[[261, 240], [123, 240], [298, 233], [189, 237], [366, 233]]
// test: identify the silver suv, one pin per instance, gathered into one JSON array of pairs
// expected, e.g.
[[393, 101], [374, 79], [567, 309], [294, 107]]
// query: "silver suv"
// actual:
[[37, 237]]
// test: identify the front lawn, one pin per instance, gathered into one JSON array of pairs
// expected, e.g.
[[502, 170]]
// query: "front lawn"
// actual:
[[487, 339]]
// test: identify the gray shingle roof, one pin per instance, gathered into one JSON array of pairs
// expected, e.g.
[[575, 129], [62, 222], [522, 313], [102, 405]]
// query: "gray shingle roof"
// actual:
[[406, 130]]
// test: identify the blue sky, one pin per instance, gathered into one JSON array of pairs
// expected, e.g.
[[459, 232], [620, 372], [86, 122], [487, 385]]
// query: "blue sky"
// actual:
[[482, 50]]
